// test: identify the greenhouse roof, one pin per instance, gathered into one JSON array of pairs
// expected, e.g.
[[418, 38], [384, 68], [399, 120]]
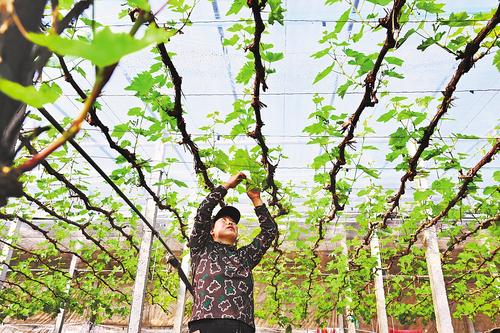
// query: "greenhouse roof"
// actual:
[[209, 69]]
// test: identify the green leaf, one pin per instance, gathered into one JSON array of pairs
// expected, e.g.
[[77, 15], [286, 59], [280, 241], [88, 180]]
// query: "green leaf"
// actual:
[[342, 21], [342, 89], [314, 129], [428, 42], [405, 37], [465, 136], [81, 71], [460, 19], [231, 41], [423, 102], [387, 116], [155, 67], [236, 7], [34, 116], [65, 4], [457, 43], [136, 111], [496, 176], [323, 74], [484, 16], [142, 83], [368, 171], [364, 61], [235, 27], [105, 49], [120, 130], [399, 138], [320, 160], [28, 94], [394, 74], [422, 195], [179, 183], [439, 36], [397, 99], [328, 36], [142, 4], [276, 13], [380, 2], [357, 36], [272, 56], [442, 185], [491, 189], [496, 60], [430, 6], [394, 61], [321, 53], [245, 73]]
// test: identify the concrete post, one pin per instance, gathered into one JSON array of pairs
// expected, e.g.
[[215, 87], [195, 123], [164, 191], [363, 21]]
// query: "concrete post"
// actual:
[[62, 311], [7, 251], [181, 298], [141, 277], [351, 327], [438, 287], [383, 325]]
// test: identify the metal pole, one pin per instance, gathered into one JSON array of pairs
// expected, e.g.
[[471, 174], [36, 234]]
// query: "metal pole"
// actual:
[[383, 325], [141, 277], [7, 251], [62, 311], [436, 279]]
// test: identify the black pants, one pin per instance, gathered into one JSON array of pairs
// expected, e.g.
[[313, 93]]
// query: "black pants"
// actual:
[[219, 326]]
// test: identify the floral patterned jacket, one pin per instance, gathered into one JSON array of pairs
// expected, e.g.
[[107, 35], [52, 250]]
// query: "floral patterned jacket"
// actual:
[[222, 274]]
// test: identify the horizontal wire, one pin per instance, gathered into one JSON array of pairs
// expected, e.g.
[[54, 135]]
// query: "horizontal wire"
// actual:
[[355, 188], [280, 167], [227, 136], [350, 20], [308, 93]]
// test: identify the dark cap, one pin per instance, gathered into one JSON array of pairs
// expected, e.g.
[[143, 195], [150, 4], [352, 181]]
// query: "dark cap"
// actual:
[[230, 211]]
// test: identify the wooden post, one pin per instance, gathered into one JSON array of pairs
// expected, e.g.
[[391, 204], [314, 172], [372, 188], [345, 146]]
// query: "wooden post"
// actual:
[[383, 325], [141, 277]]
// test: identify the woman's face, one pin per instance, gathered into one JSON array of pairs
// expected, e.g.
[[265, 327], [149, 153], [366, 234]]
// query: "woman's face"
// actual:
[[225, 231]]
